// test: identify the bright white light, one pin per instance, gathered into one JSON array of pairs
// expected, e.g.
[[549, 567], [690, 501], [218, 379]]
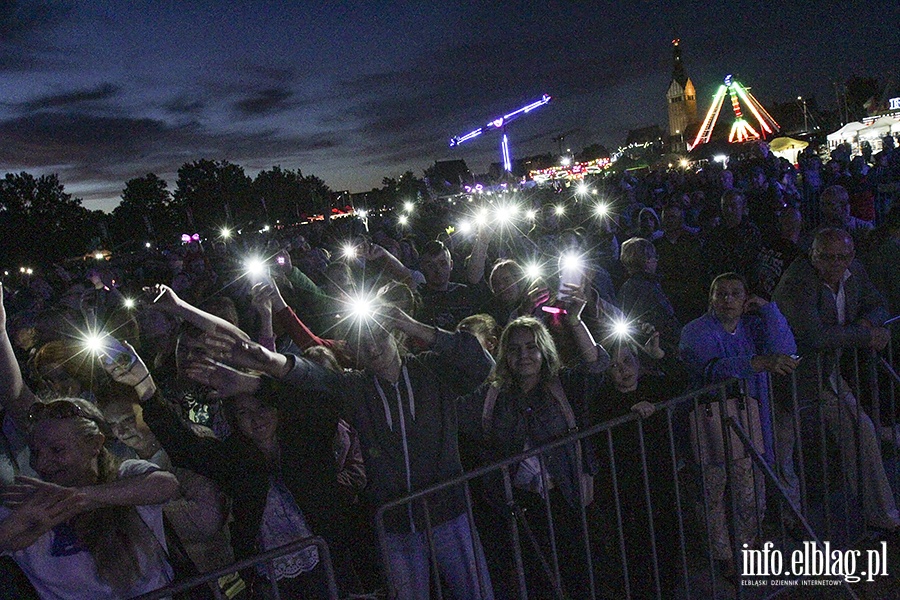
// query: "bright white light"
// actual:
[[94, 343], [560, 210], [225, 233], [481, 217], [571, 262], [362, 308], [684, 163], [601, 209], [255, 267], [29, 271], [531, 214], [464, 227], [147, 244], [129, 303], [21, 269], [266, 228], [505, 214], [720, 158], [98, 255], [349, 251], [582, 188], [362, 214], [408, 206], [403, 219], [621, 329], [565, 161], [532, 270]]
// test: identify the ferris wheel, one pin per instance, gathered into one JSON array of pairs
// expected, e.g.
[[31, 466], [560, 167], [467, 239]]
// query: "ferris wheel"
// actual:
[[741, 130]]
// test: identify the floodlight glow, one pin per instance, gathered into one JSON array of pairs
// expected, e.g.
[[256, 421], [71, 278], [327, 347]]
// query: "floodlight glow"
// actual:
[[481, 217], [465, 227], [349, 251], [98, 255], [531, 214], [225, 233], [255, 267], [560, 210], [362, 214], [720, 158], [532, 270], [601, 209], [29, 271], [129, 303], [147, 244], [403, 219], [21, 269], [266, 228], [582, 188], [684, 163], [565, 161], [408, 206]]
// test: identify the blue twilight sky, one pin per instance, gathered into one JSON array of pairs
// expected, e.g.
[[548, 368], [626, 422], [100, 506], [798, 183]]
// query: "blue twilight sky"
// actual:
[[100, 92]]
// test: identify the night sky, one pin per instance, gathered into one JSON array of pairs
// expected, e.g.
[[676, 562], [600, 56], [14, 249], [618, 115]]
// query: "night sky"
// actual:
[[100, 92]]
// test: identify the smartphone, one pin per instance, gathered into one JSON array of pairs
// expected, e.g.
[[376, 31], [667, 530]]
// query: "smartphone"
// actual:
[[571, 272], [115, 352]]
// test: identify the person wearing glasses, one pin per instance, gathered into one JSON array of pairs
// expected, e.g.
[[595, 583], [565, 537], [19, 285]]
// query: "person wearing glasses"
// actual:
[[833, 307], [88, 526]]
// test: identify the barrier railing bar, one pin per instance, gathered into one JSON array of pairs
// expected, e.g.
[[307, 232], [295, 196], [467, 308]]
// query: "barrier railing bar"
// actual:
[[652, 529], [678, 507], [247, 563], [759, 461], [551, 529]]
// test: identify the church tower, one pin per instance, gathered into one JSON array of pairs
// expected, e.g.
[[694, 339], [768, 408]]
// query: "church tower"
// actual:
[[681, 98]]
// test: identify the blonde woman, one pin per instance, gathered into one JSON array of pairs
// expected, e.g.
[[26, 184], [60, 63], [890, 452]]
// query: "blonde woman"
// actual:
[[89, 527]]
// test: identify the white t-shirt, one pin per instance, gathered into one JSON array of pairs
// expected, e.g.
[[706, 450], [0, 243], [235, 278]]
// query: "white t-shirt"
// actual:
[[60, 570]]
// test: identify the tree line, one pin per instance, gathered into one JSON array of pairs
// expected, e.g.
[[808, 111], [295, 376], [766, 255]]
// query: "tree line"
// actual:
[[41, 223]]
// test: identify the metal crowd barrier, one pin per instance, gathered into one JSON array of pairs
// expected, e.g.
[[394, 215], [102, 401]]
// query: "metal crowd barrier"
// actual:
[[202, 582], [617, 538]]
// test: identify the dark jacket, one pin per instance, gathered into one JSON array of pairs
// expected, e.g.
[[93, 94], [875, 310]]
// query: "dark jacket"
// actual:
[[424, 436], [305, 437], [536, 419], [810, 308]]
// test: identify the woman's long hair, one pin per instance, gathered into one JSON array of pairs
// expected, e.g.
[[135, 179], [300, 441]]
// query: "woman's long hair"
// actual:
[[501, 376], [116, 536]]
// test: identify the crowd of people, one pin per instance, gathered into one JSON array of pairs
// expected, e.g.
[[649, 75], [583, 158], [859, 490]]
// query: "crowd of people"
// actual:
[[168, 412]]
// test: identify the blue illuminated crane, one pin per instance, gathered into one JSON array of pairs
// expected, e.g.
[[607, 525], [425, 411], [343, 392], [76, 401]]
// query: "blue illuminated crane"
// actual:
[[500, 123]]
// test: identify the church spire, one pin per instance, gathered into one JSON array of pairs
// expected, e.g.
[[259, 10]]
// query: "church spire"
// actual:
[[678, 72]]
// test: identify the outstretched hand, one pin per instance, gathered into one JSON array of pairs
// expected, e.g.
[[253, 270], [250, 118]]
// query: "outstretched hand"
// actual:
[[227, 347], [127, 368], [224, 381], [42, 504]]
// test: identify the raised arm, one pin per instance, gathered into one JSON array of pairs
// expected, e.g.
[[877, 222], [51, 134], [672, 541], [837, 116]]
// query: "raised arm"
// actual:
[[38, 506], [15, 396], [392, 266], [168, 301], [476, 260]]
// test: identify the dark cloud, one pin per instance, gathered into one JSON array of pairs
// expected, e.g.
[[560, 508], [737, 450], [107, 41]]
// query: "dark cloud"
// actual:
[[19, 20], [184, 105], [264, 102], [26, 42], [83, 147], [73, 99]]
